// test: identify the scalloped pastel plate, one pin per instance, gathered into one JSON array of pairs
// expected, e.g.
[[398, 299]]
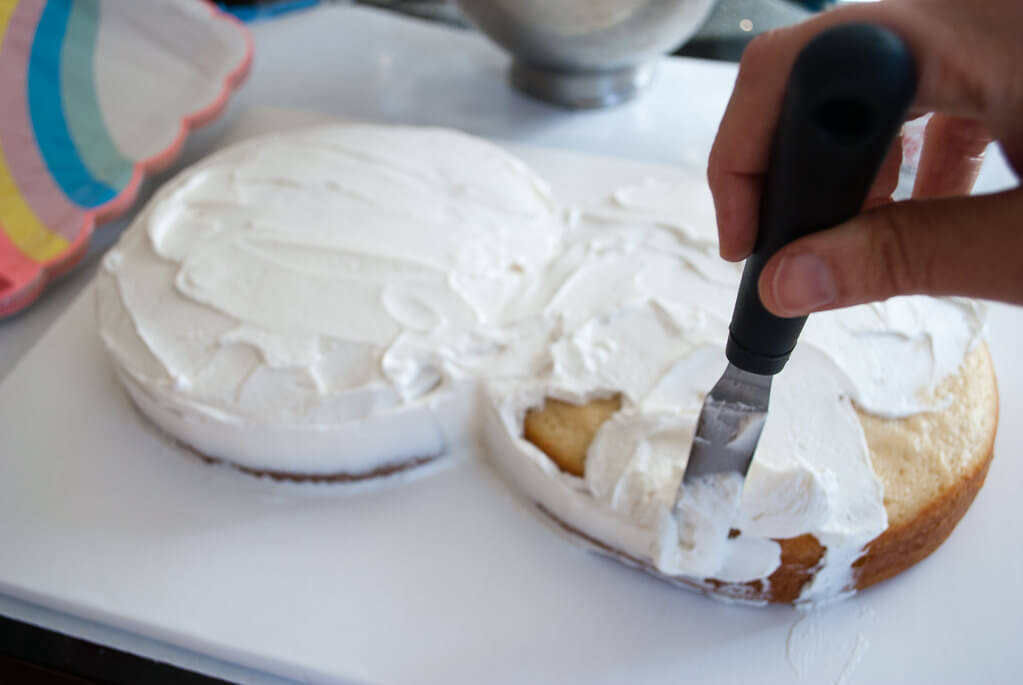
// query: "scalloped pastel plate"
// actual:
[[94, 94]]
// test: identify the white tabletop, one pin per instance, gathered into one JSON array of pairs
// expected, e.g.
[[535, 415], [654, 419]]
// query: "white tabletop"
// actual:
[[363, 64]]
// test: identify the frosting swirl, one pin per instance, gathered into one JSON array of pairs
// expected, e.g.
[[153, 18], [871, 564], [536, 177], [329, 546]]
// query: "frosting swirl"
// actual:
[[301, 286], [641, 308]]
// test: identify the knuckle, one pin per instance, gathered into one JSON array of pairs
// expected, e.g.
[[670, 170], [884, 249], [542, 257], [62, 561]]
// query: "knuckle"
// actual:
[[716, 172], [901, 266], [964, 137]]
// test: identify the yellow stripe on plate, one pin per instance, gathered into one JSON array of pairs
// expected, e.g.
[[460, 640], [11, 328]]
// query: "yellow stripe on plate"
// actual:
[[17, 219]]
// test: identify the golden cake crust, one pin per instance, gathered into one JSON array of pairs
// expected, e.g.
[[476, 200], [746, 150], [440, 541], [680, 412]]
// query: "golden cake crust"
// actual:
[[564, 431], [931, 466]]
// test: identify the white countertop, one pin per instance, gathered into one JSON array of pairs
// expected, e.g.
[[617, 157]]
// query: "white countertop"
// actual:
[[363, 64]]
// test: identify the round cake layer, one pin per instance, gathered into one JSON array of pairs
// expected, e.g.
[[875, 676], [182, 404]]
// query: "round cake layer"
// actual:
[[931, 467], [320, 302], [600, 437]]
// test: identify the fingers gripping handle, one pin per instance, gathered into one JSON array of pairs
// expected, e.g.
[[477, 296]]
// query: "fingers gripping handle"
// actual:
[[845, 101]]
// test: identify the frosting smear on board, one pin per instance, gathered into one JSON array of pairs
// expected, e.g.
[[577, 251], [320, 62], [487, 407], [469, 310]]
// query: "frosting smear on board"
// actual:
[[343, 297]]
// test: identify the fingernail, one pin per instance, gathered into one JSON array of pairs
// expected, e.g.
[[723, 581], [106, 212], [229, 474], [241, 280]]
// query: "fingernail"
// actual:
[[802, 284]]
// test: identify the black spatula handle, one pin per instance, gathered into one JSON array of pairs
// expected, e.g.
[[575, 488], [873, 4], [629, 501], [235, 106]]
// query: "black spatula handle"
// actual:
[[846, 99]]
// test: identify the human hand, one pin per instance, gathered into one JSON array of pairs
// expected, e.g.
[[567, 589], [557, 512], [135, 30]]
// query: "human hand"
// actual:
[[969, 58]]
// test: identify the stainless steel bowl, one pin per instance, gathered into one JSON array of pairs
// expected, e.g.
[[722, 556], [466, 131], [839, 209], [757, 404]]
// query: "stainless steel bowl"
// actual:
[[586, 53]]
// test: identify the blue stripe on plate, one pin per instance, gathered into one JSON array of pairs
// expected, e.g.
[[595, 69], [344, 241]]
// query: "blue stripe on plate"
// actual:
[[46, 110], [267, 10]]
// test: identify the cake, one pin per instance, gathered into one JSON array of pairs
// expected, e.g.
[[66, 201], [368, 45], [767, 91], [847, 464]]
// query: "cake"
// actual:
[[349, 301], [878, 437], [930, 467], [309, 305]]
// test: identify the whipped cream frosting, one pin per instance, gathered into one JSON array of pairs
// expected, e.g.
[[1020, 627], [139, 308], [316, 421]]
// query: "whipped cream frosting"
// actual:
[[338, 298], [641, 308], [313, 302]]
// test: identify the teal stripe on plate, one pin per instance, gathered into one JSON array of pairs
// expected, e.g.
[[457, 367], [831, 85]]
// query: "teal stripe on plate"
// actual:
[[96, 148]]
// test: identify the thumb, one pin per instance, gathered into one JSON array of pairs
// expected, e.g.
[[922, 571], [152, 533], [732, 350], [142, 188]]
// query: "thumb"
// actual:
[[969, 246]]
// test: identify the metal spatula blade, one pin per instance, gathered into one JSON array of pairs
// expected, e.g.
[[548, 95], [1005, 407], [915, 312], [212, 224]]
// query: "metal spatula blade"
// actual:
[[731, 420], [846, 98]]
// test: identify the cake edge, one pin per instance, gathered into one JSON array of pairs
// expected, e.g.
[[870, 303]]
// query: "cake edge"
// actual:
[[896, 549]]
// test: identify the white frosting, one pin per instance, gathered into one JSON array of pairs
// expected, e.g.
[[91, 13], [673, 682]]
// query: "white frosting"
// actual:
[[319, 301], [340, 298], [641, 308]]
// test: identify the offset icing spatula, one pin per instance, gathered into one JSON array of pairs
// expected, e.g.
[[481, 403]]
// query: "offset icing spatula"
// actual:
[[846, 98]]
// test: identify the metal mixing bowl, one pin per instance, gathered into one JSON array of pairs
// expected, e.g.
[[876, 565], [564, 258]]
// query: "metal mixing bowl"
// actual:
[[586, 53]]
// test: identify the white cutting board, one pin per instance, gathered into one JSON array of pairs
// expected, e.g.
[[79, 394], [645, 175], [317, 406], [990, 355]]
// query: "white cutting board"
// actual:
[[443, 576]]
